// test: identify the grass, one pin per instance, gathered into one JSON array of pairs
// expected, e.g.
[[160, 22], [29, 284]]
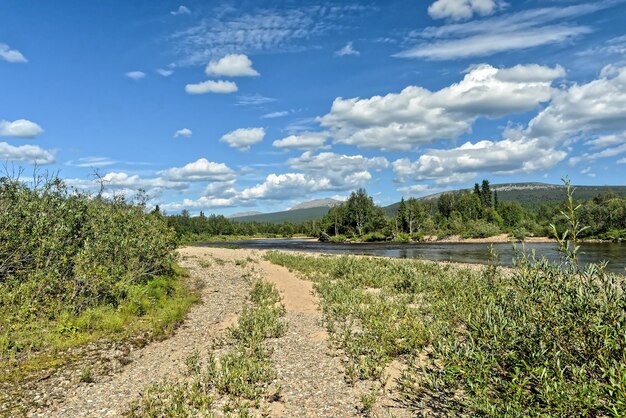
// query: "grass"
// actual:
[[241, 377], [544, 340], [32, 344]]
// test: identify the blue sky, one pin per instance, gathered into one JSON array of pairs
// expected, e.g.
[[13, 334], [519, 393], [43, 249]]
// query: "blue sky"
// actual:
[[258, 105]]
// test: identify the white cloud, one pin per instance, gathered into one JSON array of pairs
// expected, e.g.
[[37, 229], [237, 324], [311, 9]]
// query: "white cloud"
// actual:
[[186, 132], [20, 128], [243, 138], [282, 186], [507, 156], [164, 72], [416, 190], [254, 100], [588, 171], [348, 49], [182, 10], [203, 202], [200, 170], [281, 29], [91, 162], [25, 153], [135, 75], [462, 9], [11, 55], [605, 153], [417, 116], [339, 172], [303, 141], [211, 86], [514, 31], [232, 65], [595, 106], [621, 161], [119, 182], [273, 115]]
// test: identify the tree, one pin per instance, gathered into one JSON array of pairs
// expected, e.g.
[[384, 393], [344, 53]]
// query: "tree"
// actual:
[[361, 210], [445, 204], [402, 220], [415, 214], [477, 190], [485, 194]]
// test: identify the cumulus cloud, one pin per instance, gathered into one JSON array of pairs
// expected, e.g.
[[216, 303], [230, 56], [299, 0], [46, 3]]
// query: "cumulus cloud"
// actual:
[[26, 153], [514, 31], [340, 172], [303, 141], [203, 202], [200, 170], [595, 106], [232, 65], [20, 128], [243, 138], [416, 190], [462, 9], [165, 73], [281, 186], [186, 132], [211, 86], [11, 55], [119, 182], [135, 75], [182, 10], [507, 156], [348, 49], [417, 116]]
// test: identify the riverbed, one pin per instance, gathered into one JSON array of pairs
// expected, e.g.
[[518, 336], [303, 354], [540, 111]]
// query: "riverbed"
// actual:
[[613, 253]]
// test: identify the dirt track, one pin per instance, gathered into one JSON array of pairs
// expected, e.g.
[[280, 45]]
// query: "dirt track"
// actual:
[[309, 375]]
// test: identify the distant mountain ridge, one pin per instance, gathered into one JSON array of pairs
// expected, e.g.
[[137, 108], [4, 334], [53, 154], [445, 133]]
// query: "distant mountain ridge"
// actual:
[[317, 203], [305, 211], [531, 193], [242, 214]]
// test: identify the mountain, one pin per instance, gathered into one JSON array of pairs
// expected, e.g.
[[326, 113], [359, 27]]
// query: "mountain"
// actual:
[[292, 215], [531, 193], [243, 214], [305, 211], [317, 203]]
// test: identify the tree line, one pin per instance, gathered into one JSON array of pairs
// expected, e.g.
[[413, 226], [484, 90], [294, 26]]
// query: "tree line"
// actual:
[[476, 213]]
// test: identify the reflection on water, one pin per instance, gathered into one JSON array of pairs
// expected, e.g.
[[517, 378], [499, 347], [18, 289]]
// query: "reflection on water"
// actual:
[[613, 253]]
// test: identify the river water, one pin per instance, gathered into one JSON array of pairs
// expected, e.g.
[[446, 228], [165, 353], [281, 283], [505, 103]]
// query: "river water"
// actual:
[[613, 253]]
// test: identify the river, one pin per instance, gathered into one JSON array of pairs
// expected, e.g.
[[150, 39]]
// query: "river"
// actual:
[[613, 253]]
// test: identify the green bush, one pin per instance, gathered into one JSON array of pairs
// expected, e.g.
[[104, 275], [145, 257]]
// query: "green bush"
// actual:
[[373, 237], [520, 234], [480, 229], [64, 253]]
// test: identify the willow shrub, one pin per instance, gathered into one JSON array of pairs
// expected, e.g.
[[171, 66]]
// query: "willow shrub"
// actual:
[[62, 251], [545, 339]]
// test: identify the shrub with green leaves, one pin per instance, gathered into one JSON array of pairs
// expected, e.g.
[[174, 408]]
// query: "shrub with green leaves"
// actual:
[[65, 254], [541, 340]]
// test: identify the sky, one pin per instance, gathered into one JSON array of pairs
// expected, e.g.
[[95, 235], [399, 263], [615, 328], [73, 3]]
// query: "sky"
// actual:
[[226, 107]]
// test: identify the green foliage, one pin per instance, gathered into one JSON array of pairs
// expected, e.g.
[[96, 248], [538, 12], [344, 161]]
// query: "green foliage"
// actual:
[[542, 340], [480, 229], [75, 267]]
